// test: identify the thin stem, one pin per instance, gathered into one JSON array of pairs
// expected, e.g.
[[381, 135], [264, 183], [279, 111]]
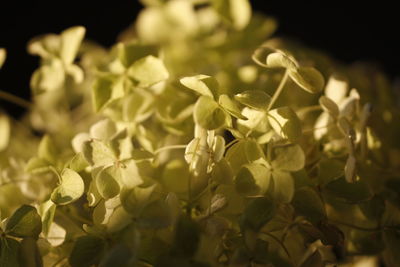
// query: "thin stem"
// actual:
[[278, 90], [169, 148], [191, 174], [15, 100]]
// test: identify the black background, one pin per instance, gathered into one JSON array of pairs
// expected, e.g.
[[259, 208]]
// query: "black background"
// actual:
[[363, 32]]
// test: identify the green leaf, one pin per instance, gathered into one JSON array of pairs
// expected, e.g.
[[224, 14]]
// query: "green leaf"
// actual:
[[106, 184], [255, 99], [155, 215], [25, 222], [258, 212], [47, 149], [71, 188], [288, 158], [175, 113], [70, 41], [261, 53], [330, 169], [97, 153], [285, 123], [78, 140], [120, 144], [5, 131], [332, 235], [78, 163], [148, 71], [118, 220], [329, 106], [301, 178], [87, 251], [222, 172], [348, 192], [367, 243], [252, 179], [175, 176], [283, 186], [47, 210], [243, 152], [128, 53], [309, 232], [152, 248], [130, 174], [9, 252], [257, 122], [3, 55], [260, 251], [187, 237], [235, 204], [314, 260], [137, 106], [135, 199], [235, 133], [29, 255], [252, 150], [119, 255], [103, 130], [202, 84], [308, 78], [105, 89], [230, 106], [374, 208], [281, 60], [307, 203], [208, 114], [101, 92]]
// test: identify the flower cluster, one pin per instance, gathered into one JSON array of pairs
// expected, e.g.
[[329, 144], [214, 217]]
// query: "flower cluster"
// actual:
[[199, 140]]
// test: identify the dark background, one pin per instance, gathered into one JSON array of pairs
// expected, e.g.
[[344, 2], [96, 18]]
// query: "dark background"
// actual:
[[364, 32]]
